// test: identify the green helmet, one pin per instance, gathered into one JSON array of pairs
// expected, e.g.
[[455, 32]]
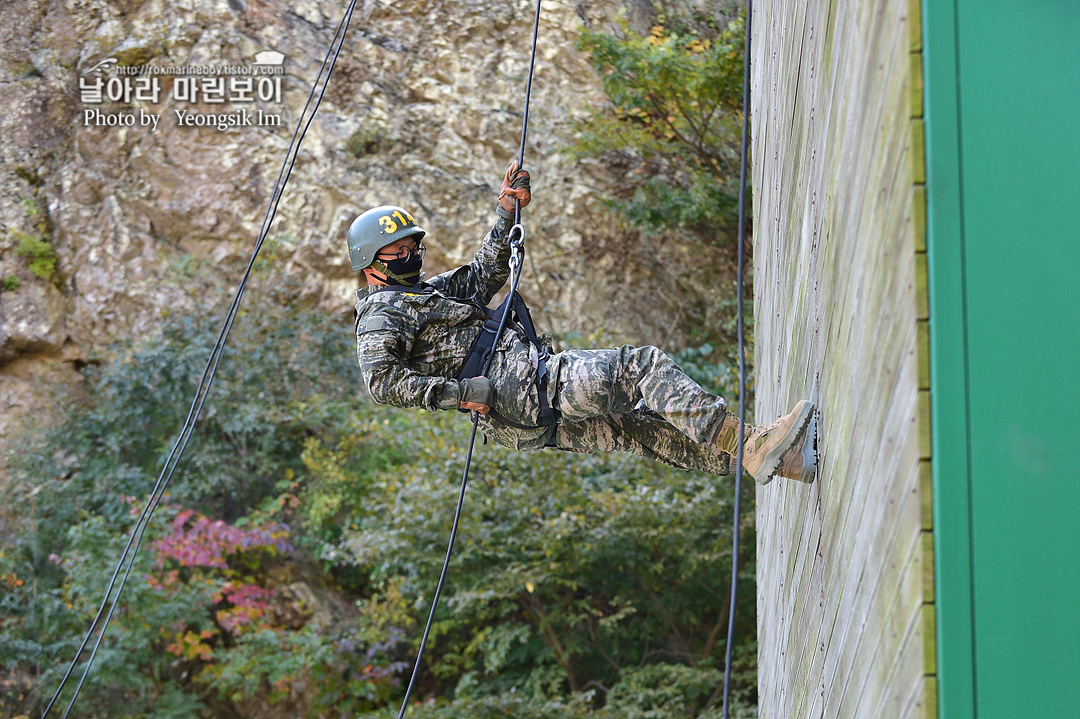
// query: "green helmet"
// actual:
[[377, 228]]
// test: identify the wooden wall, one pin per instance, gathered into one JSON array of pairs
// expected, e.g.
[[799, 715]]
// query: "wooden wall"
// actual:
[[845, 575]]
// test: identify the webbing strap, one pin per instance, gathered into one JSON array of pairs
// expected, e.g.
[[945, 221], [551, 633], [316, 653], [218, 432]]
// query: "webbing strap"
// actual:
[[400, 279], [548, 416], [484, 345]]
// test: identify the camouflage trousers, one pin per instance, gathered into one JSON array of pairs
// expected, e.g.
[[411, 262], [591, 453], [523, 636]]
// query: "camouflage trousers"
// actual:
[[631, 399]]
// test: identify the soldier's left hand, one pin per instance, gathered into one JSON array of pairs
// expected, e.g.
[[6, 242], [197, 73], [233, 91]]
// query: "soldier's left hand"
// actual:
[[477, 394]]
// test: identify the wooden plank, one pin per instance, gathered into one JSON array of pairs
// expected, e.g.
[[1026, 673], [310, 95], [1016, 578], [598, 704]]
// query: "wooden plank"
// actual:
[[929, 614], [922, 306], [917, 151], [930, 698], [928, 567], [864, 555], [922, 333], [840, 568], [892, 566], [915, 87], [902, 673], [914, 24], [926, 492], [923, 701], [918, 216], [924, 425], [785, 32]]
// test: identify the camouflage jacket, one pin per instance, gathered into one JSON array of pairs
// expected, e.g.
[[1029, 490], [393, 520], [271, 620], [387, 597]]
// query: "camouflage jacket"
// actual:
[[412, 342]]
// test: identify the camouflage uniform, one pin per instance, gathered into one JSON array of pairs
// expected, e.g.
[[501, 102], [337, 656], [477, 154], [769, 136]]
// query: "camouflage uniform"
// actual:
[[412, 342]]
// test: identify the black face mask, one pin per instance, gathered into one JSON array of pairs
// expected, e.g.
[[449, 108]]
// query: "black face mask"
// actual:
[[408, 270]]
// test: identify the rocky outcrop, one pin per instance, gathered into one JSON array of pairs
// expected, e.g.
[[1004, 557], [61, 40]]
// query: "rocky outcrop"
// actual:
[[424, 110]]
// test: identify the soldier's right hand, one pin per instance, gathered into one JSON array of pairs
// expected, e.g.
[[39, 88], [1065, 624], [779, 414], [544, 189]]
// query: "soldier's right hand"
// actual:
[[516, 186], [477, 394]]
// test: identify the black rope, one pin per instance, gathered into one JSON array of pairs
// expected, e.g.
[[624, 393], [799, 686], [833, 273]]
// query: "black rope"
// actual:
[[528, 97], [742, 363], [134, 542], [516, 240], [515, 267]]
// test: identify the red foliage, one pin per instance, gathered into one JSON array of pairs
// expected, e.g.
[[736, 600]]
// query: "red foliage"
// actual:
[[195, 540], [203, 545], [249, 606]]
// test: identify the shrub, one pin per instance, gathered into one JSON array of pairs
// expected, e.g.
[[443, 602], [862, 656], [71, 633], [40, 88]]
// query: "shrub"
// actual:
[[581, 584], [41, 254]]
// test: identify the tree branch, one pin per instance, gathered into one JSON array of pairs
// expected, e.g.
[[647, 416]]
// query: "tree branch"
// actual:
[[562, 656]]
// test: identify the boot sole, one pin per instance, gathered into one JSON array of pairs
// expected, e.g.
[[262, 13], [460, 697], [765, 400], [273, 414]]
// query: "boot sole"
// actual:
[[774, 458], [808, 473]]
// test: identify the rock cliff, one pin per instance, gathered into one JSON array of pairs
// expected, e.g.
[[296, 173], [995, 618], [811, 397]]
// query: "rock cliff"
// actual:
[[117, 211]]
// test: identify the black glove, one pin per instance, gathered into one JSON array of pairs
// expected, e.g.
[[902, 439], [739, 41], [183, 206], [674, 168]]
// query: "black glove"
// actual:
[[477, 393], [515, 187]]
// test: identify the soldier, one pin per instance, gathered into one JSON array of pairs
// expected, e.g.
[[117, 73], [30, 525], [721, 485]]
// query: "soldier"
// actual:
[[414, 336]]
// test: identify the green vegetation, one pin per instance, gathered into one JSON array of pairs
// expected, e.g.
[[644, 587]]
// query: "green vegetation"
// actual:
[[41, 254], [10, 284], [675, 119], [293, 560], [367, 141], [291, 565], [671, 130], [136, 56]]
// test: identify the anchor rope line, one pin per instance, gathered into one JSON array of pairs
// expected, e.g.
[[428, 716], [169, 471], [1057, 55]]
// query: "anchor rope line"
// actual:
[[516, 247], [516, 240], [135, 539], [743, 162], [525, 115]]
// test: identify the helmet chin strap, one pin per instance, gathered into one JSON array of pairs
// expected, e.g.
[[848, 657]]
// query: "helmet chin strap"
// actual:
[[400, 279]]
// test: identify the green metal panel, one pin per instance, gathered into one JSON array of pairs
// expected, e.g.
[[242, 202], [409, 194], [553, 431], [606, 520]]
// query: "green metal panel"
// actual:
[[948, 365], [1020, 152], [1004, 144]]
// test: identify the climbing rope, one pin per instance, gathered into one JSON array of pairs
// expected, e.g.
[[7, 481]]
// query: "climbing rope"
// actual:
[[744, 155], [131, 549], [516, 240]]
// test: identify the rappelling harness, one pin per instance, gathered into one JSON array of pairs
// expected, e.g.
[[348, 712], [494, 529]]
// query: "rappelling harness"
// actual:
[[484, 345], [480, 355]]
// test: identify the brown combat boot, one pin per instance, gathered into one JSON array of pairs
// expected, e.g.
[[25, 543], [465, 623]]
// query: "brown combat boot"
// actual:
[[767, 450], [801, 461]]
